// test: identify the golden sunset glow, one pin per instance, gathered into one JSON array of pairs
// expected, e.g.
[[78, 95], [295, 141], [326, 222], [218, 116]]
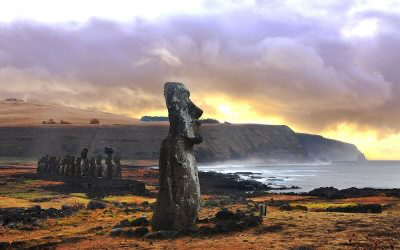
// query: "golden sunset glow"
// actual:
[[320, 67]]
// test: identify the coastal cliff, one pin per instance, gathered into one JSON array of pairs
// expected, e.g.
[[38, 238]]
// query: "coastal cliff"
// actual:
[[222, 142], [323, 149]]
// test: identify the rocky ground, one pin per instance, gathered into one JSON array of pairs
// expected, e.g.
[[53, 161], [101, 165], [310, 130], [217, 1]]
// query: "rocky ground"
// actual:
[[45, 213]]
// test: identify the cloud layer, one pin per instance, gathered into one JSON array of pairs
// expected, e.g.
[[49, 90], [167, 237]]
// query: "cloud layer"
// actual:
[[281, 61]]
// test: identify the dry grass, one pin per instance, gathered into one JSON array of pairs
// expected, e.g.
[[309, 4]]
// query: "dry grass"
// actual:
[[280, 230]]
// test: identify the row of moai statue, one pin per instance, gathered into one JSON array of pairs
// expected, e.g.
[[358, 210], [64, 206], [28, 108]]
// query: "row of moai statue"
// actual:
[[83, 166]]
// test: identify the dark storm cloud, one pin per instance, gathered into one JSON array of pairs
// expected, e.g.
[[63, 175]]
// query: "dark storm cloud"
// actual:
[[282, 63]]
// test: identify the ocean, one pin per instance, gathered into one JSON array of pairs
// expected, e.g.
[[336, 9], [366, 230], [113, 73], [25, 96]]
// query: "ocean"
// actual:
[[374, 174]]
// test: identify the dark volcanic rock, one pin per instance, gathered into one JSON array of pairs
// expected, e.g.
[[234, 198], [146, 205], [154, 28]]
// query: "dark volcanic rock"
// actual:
[[359, 208], [206, 230], [142, 221], [333, 193], [26, 219], [116, 232], [178, 200], [141, 231], [219, 183], [95, 204], [325, 192], [224, 215], [225, 226]]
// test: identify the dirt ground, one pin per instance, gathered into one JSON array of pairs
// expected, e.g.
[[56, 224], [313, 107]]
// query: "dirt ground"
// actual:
[[90, 229]]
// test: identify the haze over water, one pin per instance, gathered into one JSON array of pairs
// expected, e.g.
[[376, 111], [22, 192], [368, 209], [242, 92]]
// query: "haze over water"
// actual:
[[375, 174]]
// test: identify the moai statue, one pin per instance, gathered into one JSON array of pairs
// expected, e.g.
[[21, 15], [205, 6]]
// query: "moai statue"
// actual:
[[99, 166], [71, 168], [109, 164], [178, 200], [92, 167], [57, 165], [46, 166], [78, 166], [51, 165], [67, 165], [117, 166], [62, 165], [41, 165], [85, 162]]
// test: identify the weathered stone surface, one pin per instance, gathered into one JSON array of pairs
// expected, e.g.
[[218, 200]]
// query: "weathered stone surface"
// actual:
[[178, 201], [99, 166], [116, 171], [95, 204], [109, 165], [78, 169], [92, 167]]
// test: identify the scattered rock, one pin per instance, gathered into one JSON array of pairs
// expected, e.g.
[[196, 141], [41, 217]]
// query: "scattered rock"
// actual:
[[128, 233], [116, 232], [224, 226], [125, 223], [206, 230], [224, 215], [4, 245], [142, 221], [95, 204], [359, 208], [12, 225], [162, 235], [141, 231], [286, 207]]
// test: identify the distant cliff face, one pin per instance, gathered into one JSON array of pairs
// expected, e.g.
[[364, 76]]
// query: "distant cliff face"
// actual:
[[142, 142], [322, 149]]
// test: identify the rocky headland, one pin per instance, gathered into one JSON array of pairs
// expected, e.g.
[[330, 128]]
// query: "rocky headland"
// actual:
[[221, 142]]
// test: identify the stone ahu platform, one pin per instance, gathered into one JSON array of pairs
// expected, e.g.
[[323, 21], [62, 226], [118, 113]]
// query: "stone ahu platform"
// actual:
[[91, 185]]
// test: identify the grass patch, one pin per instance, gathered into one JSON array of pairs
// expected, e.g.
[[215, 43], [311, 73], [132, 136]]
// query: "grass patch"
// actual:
[[129, 199], [322, 205], [80, 195]]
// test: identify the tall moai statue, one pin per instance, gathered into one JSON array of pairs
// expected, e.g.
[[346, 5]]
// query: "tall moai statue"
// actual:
[[71, 168], [99, 166], [58, 165], [92, 167], [78, 166], [63, 165], [51, 165], [117, 166], [67, 165], [109, 164], [178, 200], [85, 162]]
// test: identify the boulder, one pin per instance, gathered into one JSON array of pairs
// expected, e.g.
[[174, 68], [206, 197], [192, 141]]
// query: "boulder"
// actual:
[[141, 231], [142, 221], [116, 232], [95, 204], [224, 214]]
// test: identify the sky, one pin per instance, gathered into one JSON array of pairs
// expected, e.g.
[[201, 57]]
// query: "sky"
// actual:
[[326, 67]]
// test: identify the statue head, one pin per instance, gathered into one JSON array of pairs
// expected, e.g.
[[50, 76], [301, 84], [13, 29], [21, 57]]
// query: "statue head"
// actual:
[[84, 153], [183, 114]]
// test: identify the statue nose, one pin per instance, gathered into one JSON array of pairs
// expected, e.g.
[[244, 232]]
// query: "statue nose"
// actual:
[[196, 111]]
